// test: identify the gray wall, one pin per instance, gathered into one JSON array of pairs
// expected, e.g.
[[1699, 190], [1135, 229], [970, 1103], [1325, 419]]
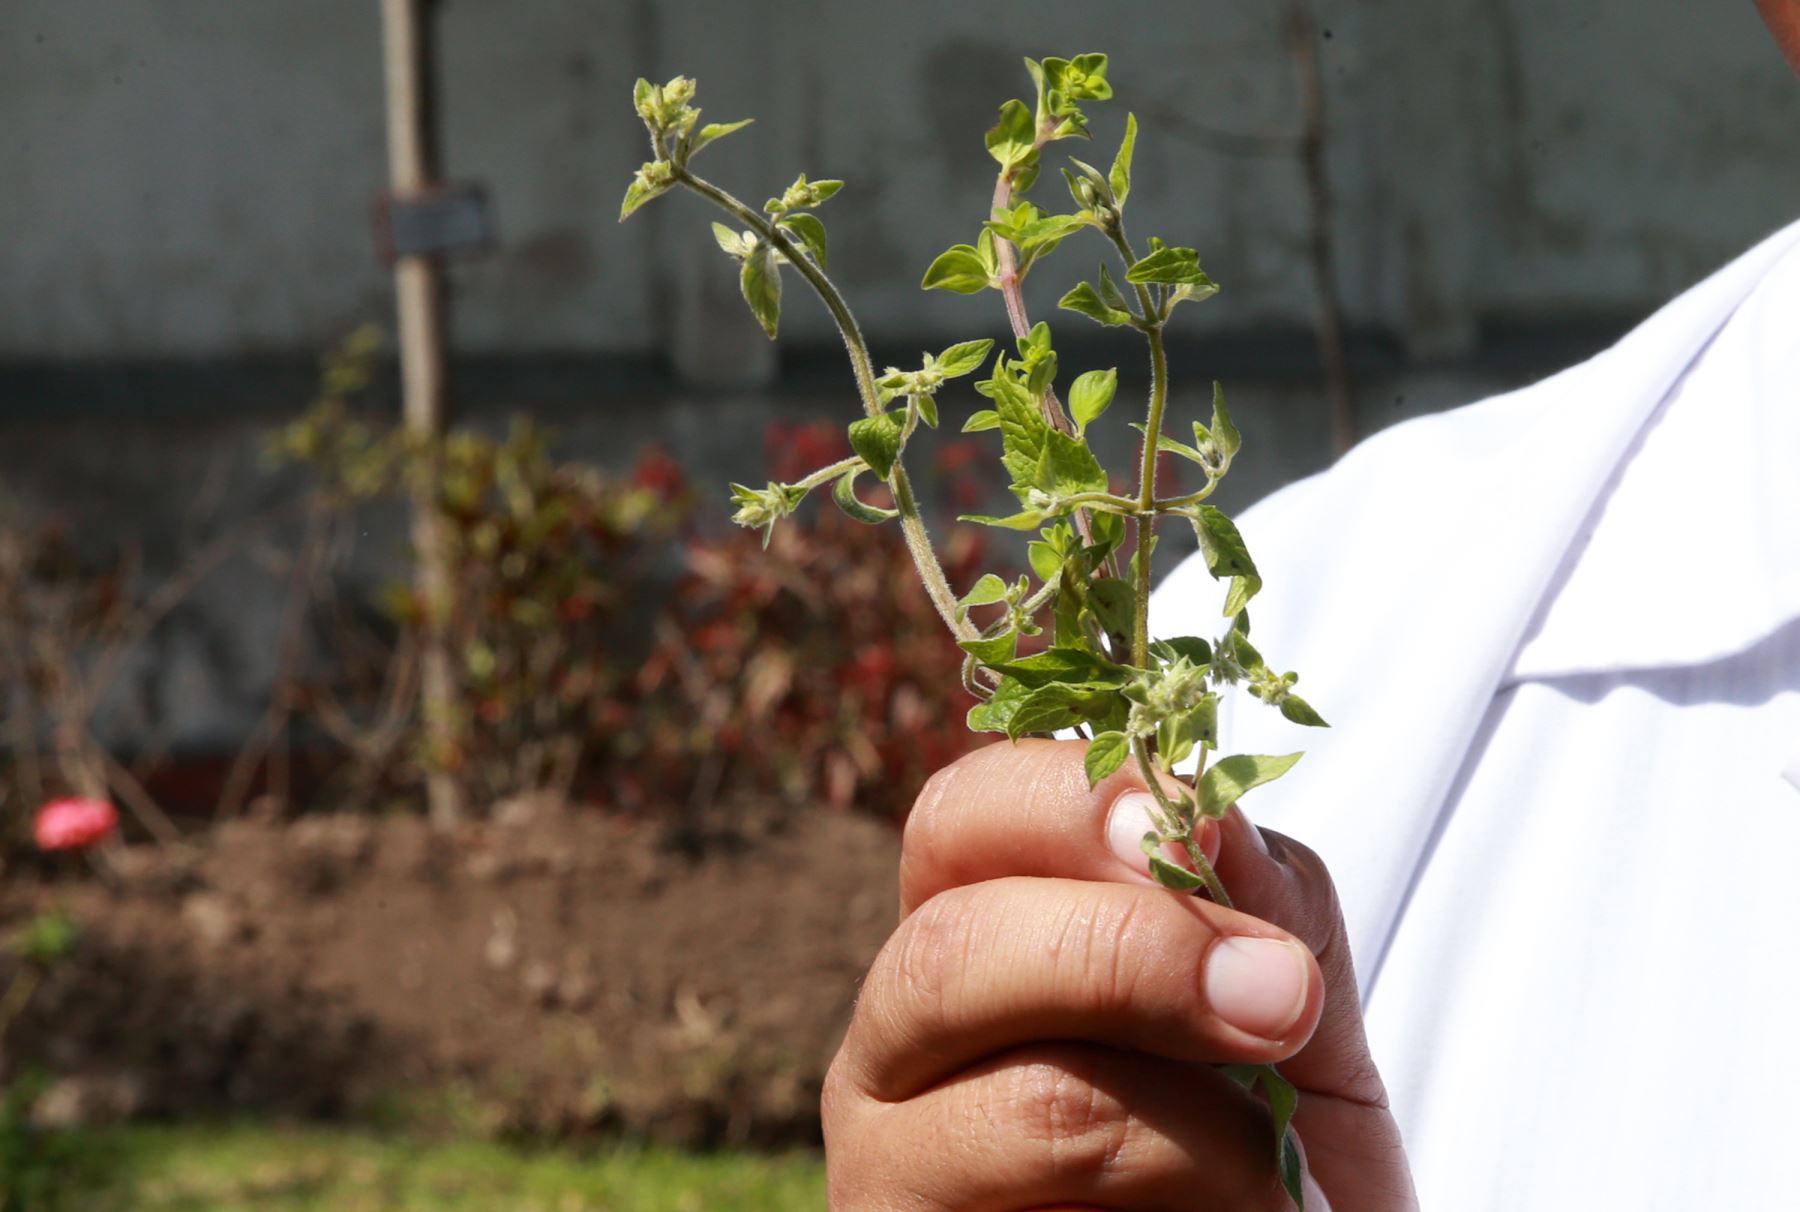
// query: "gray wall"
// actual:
[[192, 177]]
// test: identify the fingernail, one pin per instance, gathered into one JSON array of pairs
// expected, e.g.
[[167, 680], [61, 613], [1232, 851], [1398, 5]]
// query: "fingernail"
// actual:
[[1258, 985], [1126, 825]]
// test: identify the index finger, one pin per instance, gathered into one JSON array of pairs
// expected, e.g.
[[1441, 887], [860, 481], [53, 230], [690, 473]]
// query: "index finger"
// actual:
[[1025, 808]]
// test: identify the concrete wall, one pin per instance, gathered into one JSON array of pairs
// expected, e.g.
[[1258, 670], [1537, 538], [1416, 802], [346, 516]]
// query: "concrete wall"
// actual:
[[192, 178]]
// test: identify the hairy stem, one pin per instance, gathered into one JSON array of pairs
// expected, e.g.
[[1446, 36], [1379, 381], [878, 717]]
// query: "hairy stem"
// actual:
[[1146, 522], [1176, 827], [826, 475], [1012, 291], [912, 524]]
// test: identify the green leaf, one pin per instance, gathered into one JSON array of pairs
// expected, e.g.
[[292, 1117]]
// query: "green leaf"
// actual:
[[643, 187], [1085, 300], [985, 592], [1013, 138], [1297, 709], [811, 232], [996, 714], [760, 281], [959, 268], [1006, 223], [877, 440], [1036, 71], [1109, 533], [1192, 647], [1242, 590], [980, 421], [1165, 442], [1090, 394], [1082, 80], [1293, 1170], [713, 131], [1067, 666], [1169, 266], [1045, 560], [1105, 754], [1109, 292], [1169, 875], [1242, 650], [1049, 230], [1183, 293], [1030, 519], [1017, 709], [988, 251], [1221, 544], [992, 650], [1071, 466], [734, 243], [1120, 176], [1052, 708], [1022, 427], [1177, 736], [1114, 604], [844, 493], [1224, 433], [963, 358], [1230, 778], [822, 190]]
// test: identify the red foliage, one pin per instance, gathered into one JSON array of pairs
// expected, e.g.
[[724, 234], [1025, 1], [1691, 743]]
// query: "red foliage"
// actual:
[[818, 668]]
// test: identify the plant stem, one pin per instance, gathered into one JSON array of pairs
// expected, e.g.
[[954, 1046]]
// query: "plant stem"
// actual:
[[1112, 501], [1146, 522], [1166, 504], [1176, 827], [827, 474], [912, 524], [1014, 295]]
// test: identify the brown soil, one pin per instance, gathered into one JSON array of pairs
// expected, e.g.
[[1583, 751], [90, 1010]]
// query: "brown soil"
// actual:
[[557, 971]]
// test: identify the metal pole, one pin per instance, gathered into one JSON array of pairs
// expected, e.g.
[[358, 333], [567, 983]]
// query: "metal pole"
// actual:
[[419, 294]]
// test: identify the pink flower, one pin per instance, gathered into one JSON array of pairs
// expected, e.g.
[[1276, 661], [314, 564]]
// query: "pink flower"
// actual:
[[74, 823]]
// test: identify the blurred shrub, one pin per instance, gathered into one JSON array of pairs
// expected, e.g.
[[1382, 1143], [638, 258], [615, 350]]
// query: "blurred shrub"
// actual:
[[548, 568], [814, 670], [73, 617], [606, 643], [590, 662]]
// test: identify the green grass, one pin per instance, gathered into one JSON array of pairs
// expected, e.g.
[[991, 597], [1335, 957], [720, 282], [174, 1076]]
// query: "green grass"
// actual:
[[271, 1169]]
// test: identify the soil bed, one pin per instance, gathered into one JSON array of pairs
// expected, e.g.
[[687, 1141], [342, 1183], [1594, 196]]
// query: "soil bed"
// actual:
[[556, 971]]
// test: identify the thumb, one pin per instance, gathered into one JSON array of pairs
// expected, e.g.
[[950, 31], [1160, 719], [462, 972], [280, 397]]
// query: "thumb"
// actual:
[[1277, 879], [1353, 1145]]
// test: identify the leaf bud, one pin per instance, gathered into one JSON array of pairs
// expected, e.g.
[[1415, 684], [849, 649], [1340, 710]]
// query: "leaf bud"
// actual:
[[1164, 694], [664, 107], [760, 509]]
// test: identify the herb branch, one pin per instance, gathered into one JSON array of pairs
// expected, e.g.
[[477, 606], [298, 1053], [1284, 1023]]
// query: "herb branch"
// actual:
[[1138, 698]]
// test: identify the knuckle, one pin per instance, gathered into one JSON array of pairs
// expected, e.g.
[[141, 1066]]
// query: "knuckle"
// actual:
[[1059, 1110], [1093, 950], [934, 792], [915, 977], [924, 953], [925, 823]]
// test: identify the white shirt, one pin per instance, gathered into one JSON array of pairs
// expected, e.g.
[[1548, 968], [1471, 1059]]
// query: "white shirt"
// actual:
[[1558, 634]]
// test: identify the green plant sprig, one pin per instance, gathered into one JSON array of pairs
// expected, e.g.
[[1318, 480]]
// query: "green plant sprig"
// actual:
[[1102, 675]]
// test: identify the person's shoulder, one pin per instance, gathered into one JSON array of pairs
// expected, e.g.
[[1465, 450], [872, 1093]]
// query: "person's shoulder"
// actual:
[[1446, 478]]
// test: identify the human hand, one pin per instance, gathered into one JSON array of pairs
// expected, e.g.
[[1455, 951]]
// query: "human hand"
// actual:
[[1039, 1031]]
